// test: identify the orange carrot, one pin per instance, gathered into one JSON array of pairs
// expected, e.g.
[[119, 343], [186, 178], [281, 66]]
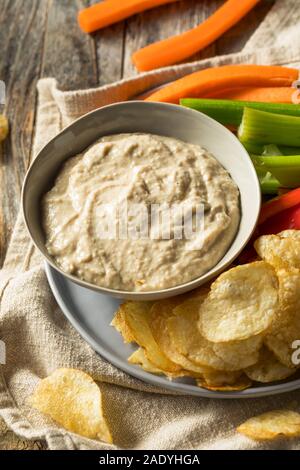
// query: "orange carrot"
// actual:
[[111, 11], [208, 81], [178, 48], [269, 95]]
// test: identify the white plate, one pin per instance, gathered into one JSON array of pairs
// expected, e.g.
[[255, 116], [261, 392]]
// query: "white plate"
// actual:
[[91, 313]]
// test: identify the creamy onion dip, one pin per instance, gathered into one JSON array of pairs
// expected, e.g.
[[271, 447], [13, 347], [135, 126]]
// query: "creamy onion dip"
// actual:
[[147, 170]]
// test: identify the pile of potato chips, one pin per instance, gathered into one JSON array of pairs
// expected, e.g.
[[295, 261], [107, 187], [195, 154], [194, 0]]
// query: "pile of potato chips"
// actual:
[[239, 330]]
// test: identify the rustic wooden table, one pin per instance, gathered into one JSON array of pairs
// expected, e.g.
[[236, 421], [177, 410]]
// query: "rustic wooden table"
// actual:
[[41, 38]]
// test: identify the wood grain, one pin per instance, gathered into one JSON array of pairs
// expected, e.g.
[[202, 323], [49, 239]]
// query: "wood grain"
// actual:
[[69, 55], [41, 38], [154, 25], [237, 37], [22, 32]]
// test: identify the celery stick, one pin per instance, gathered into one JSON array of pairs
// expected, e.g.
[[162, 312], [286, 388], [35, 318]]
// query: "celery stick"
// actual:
[[261, 127], [278, 160], [253, 148], [260, 149], [286, 169], [289, 150], [271, 150], [269, 184], [230, 112]]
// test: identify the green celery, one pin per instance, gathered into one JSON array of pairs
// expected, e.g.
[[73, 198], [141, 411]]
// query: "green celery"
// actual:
[[261, 127], [260, 149], [286, 169], [252, 148], [289, 150], [269, 184], [271, 149], [230, 112]]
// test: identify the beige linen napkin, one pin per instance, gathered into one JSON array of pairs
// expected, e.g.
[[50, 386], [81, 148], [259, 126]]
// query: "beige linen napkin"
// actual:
[[39, 339]]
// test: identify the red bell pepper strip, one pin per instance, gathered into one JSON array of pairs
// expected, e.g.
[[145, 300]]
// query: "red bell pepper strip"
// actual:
[[279, 204], [284, 220], [278, 214]]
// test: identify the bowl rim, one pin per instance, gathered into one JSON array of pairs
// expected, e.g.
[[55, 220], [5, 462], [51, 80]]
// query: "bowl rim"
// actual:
[[170, 291]]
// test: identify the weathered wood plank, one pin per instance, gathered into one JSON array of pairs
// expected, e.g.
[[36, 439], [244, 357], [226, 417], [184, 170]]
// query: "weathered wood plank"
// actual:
[[236, 38], [109, 51], [69, 55], [163, 22], [173, 19], [22, 27]]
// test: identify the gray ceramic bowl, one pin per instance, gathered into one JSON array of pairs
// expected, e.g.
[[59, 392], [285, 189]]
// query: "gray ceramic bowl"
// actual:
[[155, 118]]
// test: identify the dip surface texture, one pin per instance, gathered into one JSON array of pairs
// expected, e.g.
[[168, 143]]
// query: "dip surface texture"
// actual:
[[147, 170]]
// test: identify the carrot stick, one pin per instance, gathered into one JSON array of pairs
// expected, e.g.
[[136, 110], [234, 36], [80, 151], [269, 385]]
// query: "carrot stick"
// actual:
[[111, 11], [267, 95], [212, 80], [178, 48]]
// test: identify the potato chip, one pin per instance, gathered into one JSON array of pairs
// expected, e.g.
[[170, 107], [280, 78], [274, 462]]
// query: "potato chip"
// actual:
[[72, 399], [188, 340], [221, 377], [281, 345], [139, 357], [120, 325], [239, 386], [160, 312], [226, 382], [242, 303], [282, 342], [271, 425], [286, 328], [268, 368], [239, 354], [288, 308], [136, 316], [279, 251], [288, 297], [294, 234]]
